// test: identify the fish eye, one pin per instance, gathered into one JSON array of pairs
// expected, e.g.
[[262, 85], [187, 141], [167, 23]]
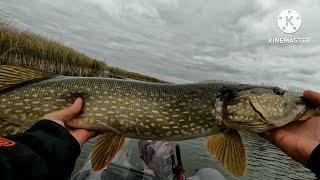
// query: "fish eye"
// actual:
[[278, 91]]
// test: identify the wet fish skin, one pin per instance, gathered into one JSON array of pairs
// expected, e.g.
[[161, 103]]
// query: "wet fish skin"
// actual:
[[141, 110], [262, 109]]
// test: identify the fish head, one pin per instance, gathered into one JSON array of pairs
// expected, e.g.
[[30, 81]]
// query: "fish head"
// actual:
[[259, 109]]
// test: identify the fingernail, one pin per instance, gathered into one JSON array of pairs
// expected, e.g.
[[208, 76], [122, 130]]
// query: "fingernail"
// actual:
[[79, 99]]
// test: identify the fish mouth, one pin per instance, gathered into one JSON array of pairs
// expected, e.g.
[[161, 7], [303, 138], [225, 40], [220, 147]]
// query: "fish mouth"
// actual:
[[303, 112]]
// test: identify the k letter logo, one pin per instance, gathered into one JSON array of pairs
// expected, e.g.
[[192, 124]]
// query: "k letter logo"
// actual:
[[289, 21]]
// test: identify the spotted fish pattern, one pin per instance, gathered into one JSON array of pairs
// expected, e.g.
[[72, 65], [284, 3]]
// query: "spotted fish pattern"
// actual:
[[137, 109]]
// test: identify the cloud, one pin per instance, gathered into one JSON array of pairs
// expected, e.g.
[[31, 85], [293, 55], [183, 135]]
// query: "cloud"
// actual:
[[184, 40]]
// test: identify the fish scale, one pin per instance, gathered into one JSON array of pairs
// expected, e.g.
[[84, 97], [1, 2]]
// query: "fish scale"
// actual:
[[122, 108], [107, 108]]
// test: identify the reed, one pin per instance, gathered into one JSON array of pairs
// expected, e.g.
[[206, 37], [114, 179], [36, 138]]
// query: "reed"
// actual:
[[24, 48], [120, 73]]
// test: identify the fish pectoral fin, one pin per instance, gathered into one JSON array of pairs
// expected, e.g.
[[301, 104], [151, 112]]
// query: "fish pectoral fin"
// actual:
[[229, 150], [105, 149], [11, 76], [7, 128]]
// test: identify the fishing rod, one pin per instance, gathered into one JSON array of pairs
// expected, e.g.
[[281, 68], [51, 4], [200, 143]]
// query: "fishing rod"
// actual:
[[177, 169]]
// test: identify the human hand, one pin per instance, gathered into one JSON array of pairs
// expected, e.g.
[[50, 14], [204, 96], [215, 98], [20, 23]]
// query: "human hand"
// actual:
[[298, 139], [63, 116]]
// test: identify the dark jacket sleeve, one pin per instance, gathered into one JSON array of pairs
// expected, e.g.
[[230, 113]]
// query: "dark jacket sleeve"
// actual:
[[46, 151], [314, 161]]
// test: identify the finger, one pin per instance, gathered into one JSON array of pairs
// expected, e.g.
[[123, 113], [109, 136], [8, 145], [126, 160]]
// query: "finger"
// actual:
[[275, 136], [68, 113], [269, 135], [266, 134], [312, 96], [72, 111], [82, 135]]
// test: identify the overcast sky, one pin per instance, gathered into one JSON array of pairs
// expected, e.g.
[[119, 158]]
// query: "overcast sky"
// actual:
[[183, 40]]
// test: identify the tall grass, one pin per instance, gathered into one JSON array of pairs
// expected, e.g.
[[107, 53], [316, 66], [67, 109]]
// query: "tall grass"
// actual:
[[120, 73], [23, 48], [27, 49]]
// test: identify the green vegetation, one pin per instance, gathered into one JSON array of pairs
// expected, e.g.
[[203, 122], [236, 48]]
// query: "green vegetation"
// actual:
[[23, 48]]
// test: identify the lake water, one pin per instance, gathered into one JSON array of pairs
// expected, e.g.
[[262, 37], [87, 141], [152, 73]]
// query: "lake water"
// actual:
[[188, 41]]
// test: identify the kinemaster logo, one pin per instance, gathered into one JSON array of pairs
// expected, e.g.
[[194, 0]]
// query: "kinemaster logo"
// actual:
[[289, 22]]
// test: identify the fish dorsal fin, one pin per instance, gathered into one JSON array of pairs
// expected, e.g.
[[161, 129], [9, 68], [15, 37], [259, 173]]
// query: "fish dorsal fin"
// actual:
[[11, 76], [229, 151], [105, 149]]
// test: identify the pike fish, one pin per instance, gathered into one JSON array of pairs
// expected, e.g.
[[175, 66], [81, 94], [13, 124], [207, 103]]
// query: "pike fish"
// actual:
[[121, 108]]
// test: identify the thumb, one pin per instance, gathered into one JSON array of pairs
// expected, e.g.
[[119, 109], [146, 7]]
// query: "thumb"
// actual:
[[275, 136], [72, 111], [269, 135], [312, 96], [68, 113]]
